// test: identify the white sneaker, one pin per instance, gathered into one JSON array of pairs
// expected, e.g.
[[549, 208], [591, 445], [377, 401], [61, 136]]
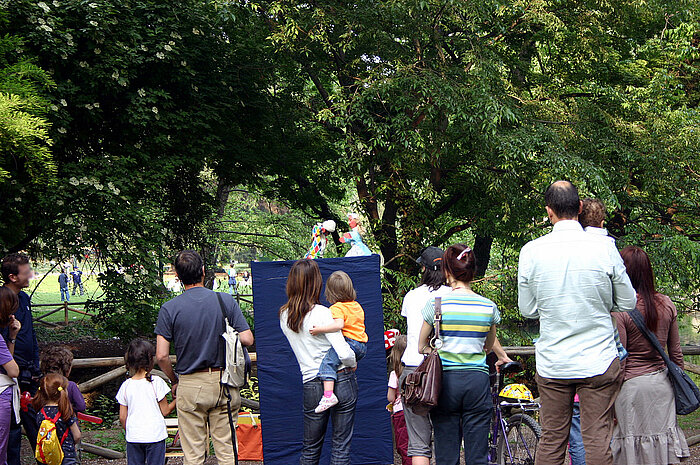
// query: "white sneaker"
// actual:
[[326, 403]]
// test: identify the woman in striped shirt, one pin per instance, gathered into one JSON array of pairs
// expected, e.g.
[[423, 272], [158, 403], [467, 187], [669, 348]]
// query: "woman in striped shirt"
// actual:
[[468, 333]]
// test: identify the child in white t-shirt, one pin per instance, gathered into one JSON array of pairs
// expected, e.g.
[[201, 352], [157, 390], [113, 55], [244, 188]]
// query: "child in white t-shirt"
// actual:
[[142, 406]]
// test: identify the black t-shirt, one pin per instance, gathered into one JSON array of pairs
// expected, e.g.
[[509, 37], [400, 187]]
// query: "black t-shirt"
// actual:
[[193, 323], [62, 425]]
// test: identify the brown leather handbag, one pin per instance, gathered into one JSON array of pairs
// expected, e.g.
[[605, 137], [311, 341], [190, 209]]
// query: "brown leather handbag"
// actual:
[[421, 389]]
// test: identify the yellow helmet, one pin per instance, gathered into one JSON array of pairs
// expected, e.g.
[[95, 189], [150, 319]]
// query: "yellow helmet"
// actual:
[[517, 392]]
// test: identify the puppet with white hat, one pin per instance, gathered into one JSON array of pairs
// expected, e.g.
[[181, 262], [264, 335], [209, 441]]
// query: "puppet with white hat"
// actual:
[[318, 238]]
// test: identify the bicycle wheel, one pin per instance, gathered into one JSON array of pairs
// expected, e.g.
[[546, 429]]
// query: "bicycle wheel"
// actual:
[[519, 444]]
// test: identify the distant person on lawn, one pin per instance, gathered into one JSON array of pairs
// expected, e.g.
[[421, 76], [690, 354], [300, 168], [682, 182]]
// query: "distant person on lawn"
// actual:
[[193, 323], [77, 276], [63, 280]]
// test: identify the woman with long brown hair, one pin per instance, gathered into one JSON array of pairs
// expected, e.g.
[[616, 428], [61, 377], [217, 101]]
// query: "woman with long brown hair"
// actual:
[[302, 312], [9, 390], [646, 430]]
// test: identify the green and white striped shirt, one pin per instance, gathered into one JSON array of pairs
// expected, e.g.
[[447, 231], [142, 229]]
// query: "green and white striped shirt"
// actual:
[[466, 321]]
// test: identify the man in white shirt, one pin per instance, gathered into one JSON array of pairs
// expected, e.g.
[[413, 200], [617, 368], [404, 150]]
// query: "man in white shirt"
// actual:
[[571, 281]]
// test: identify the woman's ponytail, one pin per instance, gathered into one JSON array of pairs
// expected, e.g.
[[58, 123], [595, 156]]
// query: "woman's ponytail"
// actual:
[[64, 405]]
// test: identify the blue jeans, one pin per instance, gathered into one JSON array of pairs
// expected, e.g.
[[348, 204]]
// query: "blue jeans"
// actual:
[[342, 415], [576, 450], [65, 294], [463, 414], [140, 453], [331, 362]]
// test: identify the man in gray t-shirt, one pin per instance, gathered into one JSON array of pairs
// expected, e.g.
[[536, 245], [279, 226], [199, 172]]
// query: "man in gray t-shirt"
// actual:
[[192, 322]]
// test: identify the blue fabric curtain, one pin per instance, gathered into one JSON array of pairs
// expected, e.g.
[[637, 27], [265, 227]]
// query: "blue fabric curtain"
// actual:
[[280, 379]]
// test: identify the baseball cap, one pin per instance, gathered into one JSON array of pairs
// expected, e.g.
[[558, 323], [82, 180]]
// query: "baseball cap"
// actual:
[[431, 258]]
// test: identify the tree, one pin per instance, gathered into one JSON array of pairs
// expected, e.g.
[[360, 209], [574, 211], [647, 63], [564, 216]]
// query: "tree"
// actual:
[[26, 164], [156, 109], [453, 117]]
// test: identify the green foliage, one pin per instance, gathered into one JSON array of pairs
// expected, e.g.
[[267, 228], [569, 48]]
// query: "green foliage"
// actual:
[[452, 117], [26, 163], [104, 407], [392, 297], [155, 107], [438, 121]]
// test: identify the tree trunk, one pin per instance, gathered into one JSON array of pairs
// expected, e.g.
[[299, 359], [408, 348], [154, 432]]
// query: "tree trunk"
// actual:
[[210, 250], [482, 252]]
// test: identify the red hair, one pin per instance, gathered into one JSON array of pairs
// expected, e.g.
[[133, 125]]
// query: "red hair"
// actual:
[[642, 277], [54, 388]]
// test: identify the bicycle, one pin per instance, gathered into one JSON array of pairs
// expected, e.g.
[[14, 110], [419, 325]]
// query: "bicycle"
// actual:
[[514, 434]]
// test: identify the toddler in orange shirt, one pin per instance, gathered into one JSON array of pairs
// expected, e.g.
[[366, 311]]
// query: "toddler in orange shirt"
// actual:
[[349, 317]]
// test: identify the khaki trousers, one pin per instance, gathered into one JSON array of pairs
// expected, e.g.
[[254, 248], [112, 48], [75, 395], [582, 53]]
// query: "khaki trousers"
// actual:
[[597, 396], [201, 411]]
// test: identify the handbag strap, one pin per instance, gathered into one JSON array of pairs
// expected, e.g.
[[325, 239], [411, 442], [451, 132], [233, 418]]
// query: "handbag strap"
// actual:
[[437, 320], [638, 320]]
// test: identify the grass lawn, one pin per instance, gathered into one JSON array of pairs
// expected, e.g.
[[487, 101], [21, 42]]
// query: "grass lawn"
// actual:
[[48, 292]]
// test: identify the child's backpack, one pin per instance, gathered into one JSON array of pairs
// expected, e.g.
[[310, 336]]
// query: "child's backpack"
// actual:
[[48, 446]]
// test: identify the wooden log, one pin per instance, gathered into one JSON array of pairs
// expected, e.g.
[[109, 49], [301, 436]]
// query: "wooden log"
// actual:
[[691, 350], [530, 350], [41, 317], [103, 362], [102, 379], [116, 361], [101, 451], [161, 375], [691, 367], [522, 350], [693, 440]]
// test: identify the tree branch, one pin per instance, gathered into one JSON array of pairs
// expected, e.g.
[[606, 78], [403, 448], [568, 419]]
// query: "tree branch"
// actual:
[[451, 232]]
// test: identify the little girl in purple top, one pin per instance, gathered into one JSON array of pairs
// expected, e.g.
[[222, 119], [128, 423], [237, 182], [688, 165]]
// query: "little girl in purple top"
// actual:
[[8, 367], [59, 359]]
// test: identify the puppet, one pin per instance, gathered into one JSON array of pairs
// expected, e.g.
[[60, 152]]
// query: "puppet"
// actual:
[[318, 238], [354, 238]]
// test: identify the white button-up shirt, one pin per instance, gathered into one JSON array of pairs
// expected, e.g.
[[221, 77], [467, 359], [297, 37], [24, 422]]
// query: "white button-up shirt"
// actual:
[[571, 280]]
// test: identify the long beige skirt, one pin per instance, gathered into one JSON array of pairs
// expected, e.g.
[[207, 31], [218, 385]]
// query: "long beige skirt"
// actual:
[[647, 432]]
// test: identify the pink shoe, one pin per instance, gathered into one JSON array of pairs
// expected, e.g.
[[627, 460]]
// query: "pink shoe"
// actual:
[[326, 403]]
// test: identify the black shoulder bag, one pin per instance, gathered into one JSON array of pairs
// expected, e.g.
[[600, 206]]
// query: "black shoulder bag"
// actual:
[[684, 389]]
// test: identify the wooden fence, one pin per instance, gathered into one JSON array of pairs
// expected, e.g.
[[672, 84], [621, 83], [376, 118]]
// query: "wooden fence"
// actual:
[[67, 307]]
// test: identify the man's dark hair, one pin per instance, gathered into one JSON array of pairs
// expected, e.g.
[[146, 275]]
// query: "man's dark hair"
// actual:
[[10, 265], [188, 265], [562, 198]]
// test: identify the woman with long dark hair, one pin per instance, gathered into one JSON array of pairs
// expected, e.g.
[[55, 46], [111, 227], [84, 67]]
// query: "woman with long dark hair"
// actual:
[[646, 430], [302, 312], [468, 333]]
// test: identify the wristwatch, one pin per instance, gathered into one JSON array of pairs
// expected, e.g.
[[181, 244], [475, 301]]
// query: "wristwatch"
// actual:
[[12, 341]]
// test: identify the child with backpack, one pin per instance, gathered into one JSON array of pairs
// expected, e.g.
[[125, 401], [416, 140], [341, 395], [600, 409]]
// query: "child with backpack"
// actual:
[[58, 426], [349, 317], [393, 395], [59, 359], [143, 406]]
